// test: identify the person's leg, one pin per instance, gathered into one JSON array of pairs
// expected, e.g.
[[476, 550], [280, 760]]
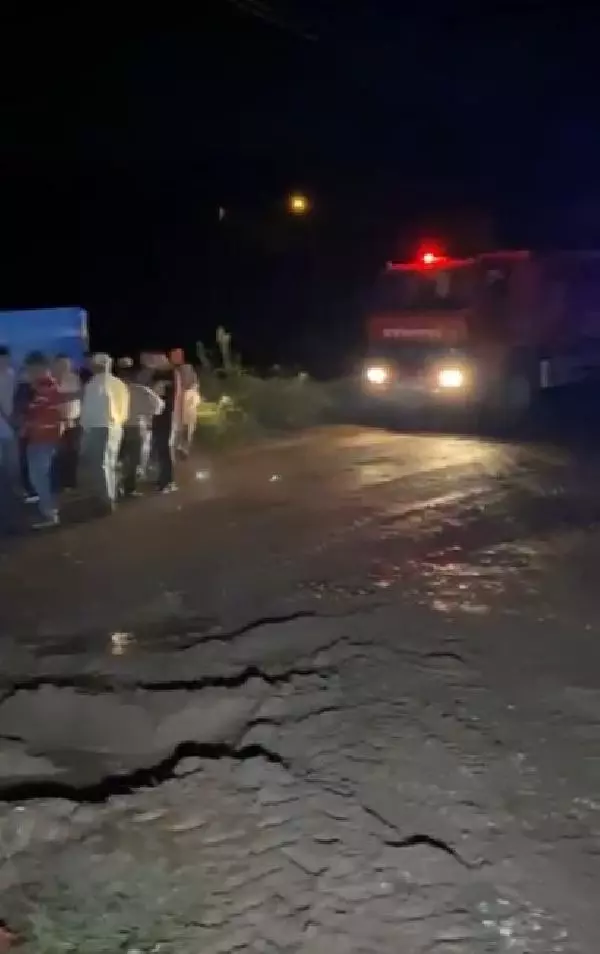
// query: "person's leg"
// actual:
[[39, 459], [125, 457], [93, 447], [70, 450], [165, 448], [131, 455], [9, 482], [114, 437], [9, 458], [28, 490], [190, 431], [61, 463], [9, 486], [145, 449], [158, 450]]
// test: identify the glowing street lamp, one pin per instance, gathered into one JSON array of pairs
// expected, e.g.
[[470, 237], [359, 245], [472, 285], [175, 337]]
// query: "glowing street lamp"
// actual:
[[298, 204]]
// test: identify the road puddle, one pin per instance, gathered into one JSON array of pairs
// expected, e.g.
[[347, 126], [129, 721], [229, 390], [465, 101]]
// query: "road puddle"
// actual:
[[121, 643], [453, 580]]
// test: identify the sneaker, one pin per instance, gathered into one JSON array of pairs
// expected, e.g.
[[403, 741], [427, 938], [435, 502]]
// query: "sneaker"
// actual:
[[169, 489], [31, 499], [46, 523]]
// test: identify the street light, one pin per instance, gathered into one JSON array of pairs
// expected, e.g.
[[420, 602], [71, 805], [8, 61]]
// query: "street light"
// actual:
[[298, 204]]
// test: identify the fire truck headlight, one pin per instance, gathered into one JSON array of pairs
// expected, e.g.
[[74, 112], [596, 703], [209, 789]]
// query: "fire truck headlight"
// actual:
[[451, 378], [375, 374]]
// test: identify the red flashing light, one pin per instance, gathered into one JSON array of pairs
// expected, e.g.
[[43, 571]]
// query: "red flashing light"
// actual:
[[429, 254], [439, 261]]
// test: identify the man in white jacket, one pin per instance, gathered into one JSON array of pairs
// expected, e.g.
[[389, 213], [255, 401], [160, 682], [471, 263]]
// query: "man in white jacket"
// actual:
[[104, 411]]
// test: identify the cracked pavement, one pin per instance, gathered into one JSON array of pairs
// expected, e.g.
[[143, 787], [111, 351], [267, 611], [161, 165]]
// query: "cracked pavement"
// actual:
[[367, 723]]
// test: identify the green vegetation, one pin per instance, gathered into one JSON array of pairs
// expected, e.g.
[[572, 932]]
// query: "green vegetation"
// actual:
[[240, 405]]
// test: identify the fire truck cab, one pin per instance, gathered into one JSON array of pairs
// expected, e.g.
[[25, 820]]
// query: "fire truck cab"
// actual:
[[493, 330]]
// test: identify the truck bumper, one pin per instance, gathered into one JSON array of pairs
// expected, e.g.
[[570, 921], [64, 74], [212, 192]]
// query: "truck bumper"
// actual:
[[403, 397]]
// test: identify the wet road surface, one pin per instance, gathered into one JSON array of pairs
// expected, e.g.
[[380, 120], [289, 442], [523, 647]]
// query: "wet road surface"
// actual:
[[445, 780], [332, 508]]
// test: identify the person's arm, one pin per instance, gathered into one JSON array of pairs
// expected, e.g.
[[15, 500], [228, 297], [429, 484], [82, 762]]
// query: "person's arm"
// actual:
[[65, 397], [155, 403]]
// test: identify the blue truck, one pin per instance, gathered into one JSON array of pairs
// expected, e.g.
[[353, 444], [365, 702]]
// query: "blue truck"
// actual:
[[51, 330]]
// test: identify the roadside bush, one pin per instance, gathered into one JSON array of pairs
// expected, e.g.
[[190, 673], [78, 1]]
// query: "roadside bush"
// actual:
[[238, 403]]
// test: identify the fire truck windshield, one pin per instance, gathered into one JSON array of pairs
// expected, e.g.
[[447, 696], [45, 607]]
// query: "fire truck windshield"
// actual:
[[413, 354], [423, 289]]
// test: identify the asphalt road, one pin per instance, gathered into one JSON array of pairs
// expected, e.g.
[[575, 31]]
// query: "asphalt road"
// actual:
[[445, 720], [340, 509]]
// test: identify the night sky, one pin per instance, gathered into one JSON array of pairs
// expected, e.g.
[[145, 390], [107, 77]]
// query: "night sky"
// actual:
[[121, 140]]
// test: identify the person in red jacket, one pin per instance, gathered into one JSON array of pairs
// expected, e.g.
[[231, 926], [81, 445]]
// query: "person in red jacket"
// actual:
[[42, 428]]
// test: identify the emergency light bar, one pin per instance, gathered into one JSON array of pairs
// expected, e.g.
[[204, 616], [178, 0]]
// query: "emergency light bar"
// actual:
[[422, 265]]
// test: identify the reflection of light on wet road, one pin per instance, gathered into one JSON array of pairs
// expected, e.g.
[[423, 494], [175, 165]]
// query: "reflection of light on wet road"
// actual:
[[408, 457], [455, 580], [120, 643]]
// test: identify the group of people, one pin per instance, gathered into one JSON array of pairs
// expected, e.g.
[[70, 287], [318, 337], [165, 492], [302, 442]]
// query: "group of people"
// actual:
[[95, 427]]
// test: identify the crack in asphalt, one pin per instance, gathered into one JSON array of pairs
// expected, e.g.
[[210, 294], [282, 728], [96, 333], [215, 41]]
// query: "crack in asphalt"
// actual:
[[419, 840], [164, 771], [101, 685], [108, 685], [430, 841], [259, 623], [210, 632], [128, 783], [276, 722], [203, 629]]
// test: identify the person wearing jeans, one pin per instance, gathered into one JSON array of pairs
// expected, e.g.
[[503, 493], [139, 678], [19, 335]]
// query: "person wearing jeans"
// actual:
[[104, 411], [40, 460], [42, 428]]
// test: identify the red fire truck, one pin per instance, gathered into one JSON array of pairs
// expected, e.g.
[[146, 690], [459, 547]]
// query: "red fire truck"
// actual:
[[490, 331]]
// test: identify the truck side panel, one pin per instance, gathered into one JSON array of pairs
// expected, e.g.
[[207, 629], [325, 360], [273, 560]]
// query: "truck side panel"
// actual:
[[51, 330], [569, 315]]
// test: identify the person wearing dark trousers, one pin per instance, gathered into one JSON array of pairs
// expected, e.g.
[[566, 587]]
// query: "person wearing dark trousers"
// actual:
[[166, 383], [163, 445], [67, 458]]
